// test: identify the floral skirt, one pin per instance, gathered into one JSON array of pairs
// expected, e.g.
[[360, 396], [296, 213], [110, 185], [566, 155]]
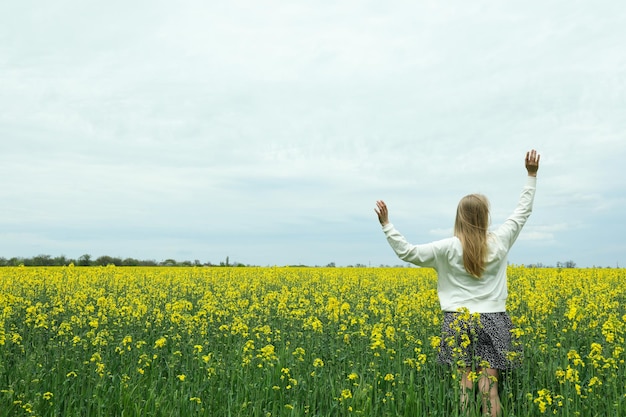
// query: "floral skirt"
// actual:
[[480, 340]]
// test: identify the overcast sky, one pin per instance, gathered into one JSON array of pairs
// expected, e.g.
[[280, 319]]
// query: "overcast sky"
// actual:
[[266, 130]]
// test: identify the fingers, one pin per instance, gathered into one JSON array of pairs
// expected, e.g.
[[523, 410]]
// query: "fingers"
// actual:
[[532, 157], [381, 207], [381, 211], [532, 162]]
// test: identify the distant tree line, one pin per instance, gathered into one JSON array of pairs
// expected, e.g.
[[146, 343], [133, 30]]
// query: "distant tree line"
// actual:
[[566, 264], [88, 260]]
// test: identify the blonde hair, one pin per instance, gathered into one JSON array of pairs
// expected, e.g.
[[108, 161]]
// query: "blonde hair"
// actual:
[[470, 226]]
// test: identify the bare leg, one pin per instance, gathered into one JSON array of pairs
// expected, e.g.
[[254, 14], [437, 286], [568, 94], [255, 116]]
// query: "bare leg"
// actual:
[[488, 385], [467, 388]]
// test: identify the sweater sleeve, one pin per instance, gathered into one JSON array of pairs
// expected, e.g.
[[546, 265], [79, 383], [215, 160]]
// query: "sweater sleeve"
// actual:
[[511, 228], [422, 255]]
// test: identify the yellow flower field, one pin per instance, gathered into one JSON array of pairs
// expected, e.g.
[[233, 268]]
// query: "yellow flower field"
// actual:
[[123, 341]]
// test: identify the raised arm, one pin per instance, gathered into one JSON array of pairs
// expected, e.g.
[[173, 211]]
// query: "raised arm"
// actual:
[[511, 228], [422, 255]]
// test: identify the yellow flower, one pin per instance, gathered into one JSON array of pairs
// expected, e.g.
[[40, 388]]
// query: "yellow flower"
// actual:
[[100, 369], [47, 396], [160, 342], [435, 341], [299, 352], [318, 363], [268, 353], [16, 338], [544, 398], [473, 376], [181, 377], [594, 381]]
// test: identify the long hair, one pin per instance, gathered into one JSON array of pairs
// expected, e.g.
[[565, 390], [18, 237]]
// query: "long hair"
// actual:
[[470, 226]]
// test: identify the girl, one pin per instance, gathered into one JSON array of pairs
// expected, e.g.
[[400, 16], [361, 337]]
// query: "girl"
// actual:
[[471, 269]]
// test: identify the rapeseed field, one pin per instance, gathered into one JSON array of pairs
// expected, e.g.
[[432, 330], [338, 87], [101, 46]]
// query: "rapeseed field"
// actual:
[[269, 342]]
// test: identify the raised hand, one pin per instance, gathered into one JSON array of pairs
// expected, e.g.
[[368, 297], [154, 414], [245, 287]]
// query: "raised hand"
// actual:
[[382, 212], [532, 162]]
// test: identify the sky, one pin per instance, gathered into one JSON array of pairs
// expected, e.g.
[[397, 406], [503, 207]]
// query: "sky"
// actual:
[[265, 131]]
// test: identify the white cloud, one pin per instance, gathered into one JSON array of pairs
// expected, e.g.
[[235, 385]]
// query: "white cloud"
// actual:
[[544, 233]]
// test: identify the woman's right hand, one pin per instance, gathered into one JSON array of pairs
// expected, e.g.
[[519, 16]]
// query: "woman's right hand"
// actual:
[[532, 162], [382, 212]]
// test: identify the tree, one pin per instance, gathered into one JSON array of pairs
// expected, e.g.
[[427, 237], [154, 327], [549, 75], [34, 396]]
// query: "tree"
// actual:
[[84, 260], [566, 264], [15, 261], [130, 262], [42, 260], [61, 260], [107, 260]]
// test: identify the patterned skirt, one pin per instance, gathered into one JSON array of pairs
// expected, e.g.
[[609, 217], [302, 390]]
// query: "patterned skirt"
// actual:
[[480, 340]]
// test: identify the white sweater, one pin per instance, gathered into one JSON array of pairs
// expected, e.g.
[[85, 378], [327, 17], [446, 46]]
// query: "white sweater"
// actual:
[[455, 286]]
